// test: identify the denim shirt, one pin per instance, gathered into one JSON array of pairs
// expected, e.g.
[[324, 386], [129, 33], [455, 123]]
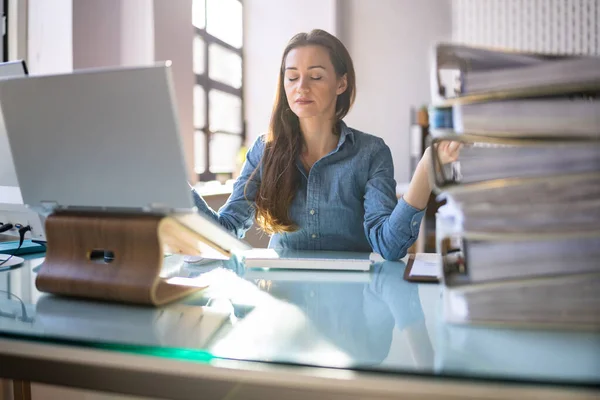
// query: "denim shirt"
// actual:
[[347, 202]]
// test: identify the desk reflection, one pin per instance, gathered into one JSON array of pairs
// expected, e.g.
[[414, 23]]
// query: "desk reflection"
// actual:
[[355, 311], [338, 319]]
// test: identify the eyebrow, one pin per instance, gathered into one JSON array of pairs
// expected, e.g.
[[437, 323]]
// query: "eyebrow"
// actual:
[[311, 67]]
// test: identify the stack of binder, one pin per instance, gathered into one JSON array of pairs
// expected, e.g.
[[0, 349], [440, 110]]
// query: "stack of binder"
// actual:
[[525, 188]]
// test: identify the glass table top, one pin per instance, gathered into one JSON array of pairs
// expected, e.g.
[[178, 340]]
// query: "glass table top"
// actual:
[[372, 321]]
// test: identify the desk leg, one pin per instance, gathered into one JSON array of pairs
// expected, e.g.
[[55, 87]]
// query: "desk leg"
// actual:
[[21, 390]]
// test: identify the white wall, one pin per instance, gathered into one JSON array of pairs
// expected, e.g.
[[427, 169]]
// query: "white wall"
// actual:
[[137, 27], [173, 38], [389, 41], [50, 36], [549, 26], [268, 26], [71, 34], [96, 33]]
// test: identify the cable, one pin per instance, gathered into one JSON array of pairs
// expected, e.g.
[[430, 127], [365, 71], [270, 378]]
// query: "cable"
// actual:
[[24, 317], [6, 227], [40, 242], [22, 231]]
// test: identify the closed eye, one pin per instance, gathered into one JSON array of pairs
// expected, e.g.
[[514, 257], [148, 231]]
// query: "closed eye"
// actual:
[[292, 79]]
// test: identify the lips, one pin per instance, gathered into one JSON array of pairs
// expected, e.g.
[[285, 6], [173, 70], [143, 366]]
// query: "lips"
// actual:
[[303, 101]]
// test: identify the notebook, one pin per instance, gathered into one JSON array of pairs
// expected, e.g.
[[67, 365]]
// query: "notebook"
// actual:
[[305, 259], [307, 275], [423, 267]]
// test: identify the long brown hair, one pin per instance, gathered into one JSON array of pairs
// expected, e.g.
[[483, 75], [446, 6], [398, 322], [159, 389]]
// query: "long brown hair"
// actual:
[[280, 177]]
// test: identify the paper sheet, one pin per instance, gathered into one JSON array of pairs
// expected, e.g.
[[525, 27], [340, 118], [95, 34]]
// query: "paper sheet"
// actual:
[[426, 264]]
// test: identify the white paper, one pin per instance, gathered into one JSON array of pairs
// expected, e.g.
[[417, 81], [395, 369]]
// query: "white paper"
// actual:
[[427, 264]]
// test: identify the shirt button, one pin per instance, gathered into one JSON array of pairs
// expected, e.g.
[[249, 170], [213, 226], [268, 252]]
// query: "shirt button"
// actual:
[[314, 236], [312, 212], [414, 223]]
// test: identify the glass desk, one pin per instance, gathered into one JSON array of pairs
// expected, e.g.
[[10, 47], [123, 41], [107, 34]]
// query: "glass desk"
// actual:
[[309, 332]]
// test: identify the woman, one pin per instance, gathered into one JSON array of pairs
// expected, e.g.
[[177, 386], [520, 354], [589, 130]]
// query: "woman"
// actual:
[[312, 182]]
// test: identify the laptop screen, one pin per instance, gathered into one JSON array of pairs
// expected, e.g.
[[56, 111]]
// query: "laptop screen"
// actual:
[[101, 139], [9, 185]]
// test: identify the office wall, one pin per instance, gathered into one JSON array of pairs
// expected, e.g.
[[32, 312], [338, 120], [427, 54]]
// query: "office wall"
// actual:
[[96, 33], [390, 41], [72, 34], [550, 26], [50, 36], [173, 38], [137, 27], [268, 25], [67, 34]]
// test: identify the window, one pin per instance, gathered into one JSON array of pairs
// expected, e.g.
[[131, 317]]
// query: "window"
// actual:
[[4, 15], [218, 102]]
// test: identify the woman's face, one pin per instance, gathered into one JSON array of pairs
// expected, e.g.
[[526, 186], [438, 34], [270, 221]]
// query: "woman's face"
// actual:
[[310, 82]]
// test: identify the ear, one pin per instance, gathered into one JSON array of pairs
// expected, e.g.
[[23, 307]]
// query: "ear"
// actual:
[[342, 84]]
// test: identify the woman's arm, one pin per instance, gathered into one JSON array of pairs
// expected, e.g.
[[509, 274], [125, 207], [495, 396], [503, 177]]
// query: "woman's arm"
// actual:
[[419, 189], [237, 215], [392, 225]]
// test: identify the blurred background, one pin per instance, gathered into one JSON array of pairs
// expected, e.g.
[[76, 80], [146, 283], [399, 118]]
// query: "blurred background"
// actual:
[[226, 55]]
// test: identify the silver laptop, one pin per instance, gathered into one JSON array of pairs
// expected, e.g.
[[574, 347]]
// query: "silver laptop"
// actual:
[[12, 209], [105, 139], [9, 186]]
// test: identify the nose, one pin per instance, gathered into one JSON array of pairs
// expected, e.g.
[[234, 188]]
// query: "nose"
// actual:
[[303, 85]]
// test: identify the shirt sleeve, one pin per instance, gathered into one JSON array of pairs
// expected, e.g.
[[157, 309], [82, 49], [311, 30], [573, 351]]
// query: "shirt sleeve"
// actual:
[[391, 225], [237, 214]]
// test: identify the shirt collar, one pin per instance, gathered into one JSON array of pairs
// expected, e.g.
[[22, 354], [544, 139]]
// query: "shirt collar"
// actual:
[[345, 132]]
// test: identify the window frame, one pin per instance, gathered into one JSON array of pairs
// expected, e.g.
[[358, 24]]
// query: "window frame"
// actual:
[[208, 84], [5, 41]]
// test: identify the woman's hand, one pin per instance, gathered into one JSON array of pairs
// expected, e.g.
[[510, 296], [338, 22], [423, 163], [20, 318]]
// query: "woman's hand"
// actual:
[[419, 189], [448, 151]]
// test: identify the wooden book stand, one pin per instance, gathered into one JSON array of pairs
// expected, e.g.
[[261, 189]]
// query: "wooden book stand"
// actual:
[[76, 265]]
